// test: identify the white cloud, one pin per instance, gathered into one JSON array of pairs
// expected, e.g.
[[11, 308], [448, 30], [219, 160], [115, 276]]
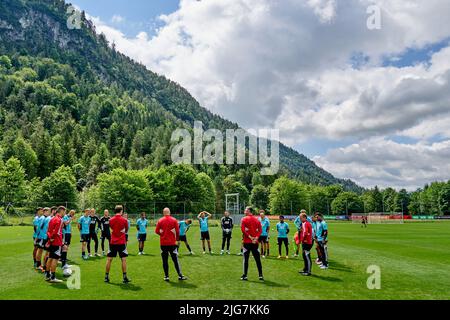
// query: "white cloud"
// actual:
[[383, 162], [286, 64], [117, 18]]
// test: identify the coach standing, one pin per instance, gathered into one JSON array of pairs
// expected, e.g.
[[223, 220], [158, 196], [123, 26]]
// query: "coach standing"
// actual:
[[251, 230], [306, 239], [169, 232], [118, 245]]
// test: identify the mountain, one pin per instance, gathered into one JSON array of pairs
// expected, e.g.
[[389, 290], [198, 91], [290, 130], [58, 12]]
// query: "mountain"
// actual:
[[108, 105]]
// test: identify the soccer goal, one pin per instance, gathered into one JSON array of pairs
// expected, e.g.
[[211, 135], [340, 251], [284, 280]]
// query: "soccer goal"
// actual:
[[233, 206], [379, 217]]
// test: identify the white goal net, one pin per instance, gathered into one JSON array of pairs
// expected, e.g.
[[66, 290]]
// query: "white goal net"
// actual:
[[378, 218]]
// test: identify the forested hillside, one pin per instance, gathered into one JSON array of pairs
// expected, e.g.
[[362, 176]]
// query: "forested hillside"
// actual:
[[68, 98]]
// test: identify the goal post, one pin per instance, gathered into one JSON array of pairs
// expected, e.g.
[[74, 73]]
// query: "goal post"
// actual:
[[379, 217]]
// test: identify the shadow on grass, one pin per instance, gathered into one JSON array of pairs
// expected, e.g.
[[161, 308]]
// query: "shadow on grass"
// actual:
[[334, 265], [326, 278], [127, 287], [269, 283]]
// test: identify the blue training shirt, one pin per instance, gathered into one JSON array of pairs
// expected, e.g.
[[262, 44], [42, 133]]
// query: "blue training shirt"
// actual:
[[265, 225], [36, 226], [184, 227], [84, 222], [283, 229], [320, 229], [43, 227], [142, 226], [67, 228], [204, 224]]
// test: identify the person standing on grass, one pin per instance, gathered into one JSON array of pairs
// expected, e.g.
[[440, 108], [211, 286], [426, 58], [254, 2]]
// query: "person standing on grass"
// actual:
[[106, 232], [264, 238], [41, 238], [306, 239], [227, 228], [251, 231], [141, 226], [322, 240], [54, 244], [125, 215], [204, 230], [118, 245], [67, 237], [46, 247], [83, 225], [93, 230], [36, 221], [283, 231], [169, 233], [184, 228]]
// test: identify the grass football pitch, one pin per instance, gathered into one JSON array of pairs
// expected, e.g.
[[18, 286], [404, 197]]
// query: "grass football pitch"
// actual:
[[413, 258]]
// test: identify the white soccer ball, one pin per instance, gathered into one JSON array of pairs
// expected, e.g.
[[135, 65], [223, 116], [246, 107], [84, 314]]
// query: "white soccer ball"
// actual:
[[67, 272]]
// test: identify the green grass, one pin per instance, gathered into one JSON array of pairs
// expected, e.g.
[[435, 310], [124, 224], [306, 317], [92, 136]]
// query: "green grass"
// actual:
[[413, 257]]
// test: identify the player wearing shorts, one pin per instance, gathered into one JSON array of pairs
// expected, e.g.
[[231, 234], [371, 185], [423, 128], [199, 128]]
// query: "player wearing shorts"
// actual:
[[169, 232], [306, 239], [94, 227], [184, 228], [322, 240], [106, 232], [204, 230], [118, 245], [41, 238], [264, 238], [83, 225], [227, 229], [251, 231], [35, 229], [283, 231], [67, 237], [55, 242], [141, 226]]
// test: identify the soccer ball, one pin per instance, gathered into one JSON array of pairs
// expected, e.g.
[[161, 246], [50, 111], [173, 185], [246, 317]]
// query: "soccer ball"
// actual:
[[67, 272]]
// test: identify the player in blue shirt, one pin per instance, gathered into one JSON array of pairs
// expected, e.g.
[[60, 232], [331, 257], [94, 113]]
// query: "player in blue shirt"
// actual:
[[67, 236], [322, 240], [184, 228], [204, 230], [83, 225], [41, 238], [141, 226], [264, 238], [283, 231], [125, 215], [35, 229]]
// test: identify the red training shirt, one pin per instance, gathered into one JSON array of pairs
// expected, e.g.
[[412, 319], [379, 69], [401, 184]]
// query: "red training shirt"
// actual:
[[251, 227], [306, 233], [119, 227], [54, 231], [168, 230]]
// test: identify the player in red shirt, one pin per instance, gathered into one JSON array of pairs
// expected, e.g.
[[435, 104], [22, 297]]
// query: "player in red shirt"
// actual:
[[169, 232], [119, 228], [251, 230], [306, 239], [55, 242]]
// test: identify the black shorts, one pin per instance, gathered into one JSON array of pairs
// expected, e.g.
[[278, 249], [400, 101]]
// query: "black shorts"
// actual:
[[115, 249], [283, 240], [106, 235], [41, 243], [54, 252], [183, 238], [142, 237], [84, 237], [67, 238], [263, 239], [226, 235], [204, 235]]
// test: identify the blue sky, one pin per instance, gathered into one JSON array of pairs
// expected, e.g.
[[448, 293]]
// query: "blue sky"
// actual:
[[139, 15], [338, 93]]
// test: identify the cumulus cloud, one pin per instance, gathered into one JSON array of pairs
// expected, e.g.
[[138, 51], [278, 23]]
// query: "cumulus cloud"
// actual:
[[291, 65], [383, 162]]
